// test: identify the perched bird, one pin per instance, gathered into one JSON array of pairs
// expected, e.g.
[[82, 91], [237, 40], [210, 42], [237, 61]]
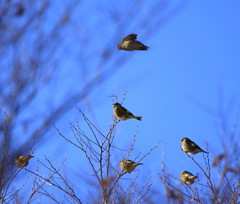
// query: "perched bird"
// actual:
[[190, 147], [122, 113], [187, 177], [22, 161], [128, 165], [129, 43]]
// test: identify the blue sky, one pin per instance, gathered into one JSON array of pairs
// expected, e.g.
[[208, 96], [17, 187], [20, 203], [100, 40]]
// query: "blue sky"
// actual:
[[194, 59]]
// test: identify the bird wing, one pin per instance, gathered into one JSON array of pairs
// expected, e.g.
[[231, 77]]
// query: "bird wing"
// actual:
[[193, 144], [139, 46], [132, 36], [129, 161], [187, 174], [127, 113], [128, 164]]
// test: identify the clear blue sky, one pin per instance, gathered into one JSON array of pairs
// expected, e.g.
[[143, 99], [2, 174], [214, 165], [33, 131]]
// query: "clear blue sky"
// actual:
[[194, 59]]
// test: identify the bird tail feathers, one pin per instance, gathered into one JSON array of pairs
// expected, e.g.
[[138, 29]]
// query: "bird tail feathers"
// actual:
[[137, 117]]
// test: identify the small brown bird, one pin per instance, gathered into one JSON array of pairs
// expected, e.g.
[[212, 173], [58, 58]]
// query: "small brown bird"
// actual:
[[187, 177], [190, 147], [128, 165], [122, 113], [129, 43], [22, 161]]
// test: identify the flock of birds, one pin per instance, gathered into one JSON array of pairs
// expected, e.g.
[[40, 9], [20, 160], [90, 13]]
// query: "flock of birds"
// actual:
[[187, 145], [129, 43]]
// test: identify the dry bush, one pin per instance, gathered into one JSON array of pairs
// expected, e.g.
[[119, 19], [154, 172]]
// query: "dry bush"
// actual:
[[45, 43], [99, 149], [220, 182]]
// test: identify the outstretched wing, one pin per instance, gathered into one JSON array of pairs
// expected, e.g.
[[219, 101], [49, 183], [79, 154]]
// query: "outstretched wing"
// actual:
[[132, 37], [138, 45]]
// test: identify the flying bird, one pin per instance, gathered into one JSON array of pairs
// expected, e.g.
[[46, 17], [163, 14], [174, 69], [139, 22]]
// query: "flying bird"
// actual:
[[122, 113], [128, 165], [187, 177], [22, 161], [129, 43], [190, 147]]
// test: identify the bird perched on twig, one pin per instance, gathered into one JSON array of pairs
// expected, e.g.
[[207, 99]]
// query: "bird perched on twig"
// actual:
[[190, 147], [22, 161], [129, 43], [187, 177], [122, 113], [128, 165]]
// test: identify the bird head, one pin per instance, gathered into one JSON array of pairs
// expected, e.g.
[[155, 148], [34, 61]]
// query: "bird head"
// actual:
[[184, 172], [116, 104], [184, 139], [119, 46]]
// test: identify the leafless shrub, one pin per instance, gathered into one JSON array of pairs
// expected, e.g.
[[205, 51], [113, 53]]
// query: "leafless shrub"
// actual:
[[40, 42], [98, 148], [220, 181]]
